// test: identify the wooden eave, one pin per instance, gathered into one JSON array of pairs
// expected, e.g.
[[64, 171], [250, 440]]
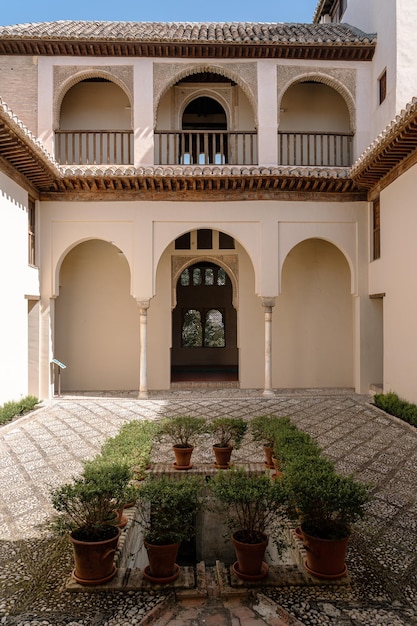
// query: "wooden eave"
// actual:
[[390, 158], [24, 158], [337, 51], [202, 188]]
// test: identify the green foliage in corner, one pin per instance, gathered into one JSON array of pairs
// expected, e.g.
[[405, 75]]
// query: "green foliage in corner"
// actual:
[[394, 405], [10, 410]]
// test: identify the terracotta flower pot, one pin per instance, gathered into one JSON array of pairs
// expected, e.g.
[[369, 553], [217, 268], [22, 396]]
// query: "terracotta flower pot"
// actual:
[[162, 567], [94, 559], [268, 450], [182, 457], [250, 563], [222, 456], [325, 557]]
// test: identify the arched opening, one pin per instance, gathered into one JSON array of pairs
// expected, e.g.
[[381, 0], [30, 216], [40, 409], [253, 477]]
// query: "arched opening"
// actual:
[[204, 326], [96, 320], [205, 119], [314, 319], [199, 146], [315, 126], [95, 124]]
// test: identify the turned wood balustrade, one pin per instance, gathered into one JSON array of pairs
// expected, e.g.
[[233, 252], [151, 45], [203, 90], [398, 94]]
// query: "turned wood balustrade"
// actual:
[[315, 149], [94, 147], [183, 147], [203, 147]]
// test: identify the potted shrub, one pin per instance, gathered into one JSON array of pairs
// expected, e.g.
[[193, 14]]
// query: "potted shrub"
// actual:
[[228, 433], [84, 508], [183, 431], [264, 429], [167, 515], [253, 506], [327, 505]]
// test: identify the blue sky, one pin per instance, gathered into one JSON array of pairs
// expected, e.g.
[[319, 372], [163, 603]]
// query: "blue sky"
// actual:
[[22, 11]]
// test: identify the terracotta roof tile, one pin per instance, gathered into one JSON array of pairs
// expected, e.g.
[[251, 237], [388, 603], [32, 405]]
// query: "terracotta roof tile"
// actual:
[[233, 32]]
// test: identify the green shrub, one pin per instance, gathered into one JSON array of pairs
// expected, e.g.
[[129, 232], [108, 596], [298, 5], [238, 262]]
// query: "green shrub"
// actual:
[[168, 507], [228, 431], [10, 410], [133, 444], [394, 405]]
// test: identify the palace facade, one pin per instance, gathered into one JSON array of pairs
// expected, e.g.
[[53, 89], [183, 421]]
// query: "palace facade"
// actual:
[[215, 203]]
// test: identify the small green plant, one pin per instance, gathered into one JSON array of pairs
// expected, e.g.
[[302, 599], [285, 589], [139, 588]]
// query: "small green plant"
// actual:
[[253, 504], [167, 508], [88, 502], [228, 431], [183, 430], [264, 428], [10, 410], [326, 503], [392, 404], [133, 444]]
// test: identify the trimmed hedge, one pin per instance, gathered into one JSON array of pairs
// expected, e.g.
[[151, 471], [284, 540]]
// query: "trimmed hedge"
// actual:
[[394, 405], [10, 410]]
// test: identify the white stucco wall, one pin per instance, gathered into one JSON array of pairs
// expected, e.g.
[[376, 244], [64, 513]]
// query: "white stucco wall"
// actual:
[[395, 275], [17, 281]]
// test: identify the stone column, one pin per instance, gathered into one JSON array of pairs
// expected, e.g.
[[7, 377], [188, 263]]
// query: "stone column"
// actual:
[[143, 333], [268, 303]]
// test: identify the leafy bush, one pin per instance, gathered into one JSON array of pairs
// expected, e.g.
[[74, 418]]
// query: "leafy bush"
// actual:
[[327, 503], [228, 431], [10, 410], [265, 428], [394, 405], [183, 429], [133, 444], [251, 503], [168, 507], [89, 501]]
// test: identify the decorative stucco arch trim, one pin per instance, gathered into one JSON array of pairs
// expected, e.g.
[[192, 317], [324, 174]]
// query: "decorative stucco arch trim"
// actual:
[[61, 89], [336, 79], [168, 75], [202, 93], [228, 262]]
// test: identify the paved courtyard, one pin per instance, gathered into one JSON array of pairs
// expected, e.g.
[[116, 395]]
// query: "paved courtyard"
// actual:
[[47, 447]]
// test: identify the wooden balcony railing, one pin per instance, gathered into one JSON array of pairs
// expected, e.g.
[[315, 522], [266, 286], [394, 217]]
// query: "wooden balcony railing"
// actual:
[[203, 147], [315, 149], [94, 147]]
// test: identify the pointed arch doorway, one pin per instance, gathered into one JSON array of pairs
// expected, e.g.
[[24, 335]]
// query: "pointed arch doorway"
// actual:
[[204, 326]]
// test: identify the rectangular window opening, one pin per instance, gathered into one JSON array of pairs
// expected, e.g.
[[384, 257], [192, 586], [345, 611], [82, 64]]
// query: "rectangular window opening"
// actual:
[[31, 232], [376, 226], [382, 87]]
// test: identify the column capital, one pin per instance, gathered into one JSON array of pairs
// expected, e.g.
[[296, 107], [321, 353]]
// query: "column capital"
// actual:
[[268, 302], [143, 304]]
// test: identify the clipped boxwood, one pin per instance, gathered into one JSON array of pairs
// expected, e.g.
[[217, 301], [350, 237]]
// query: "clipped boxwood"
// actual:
[[392, 404], [133, 444], [10, 410]]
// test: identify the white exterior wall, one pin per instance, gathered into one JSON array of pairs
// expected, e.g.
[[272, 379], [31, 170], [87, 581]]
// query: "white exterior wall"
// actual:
[[17, 281], [394, 274]]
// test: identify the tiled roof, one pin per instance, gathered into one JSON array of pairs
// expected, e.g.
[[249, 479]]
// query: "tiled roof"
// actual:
[[186, 39], [24, 152], [396, 144], [189, 32]]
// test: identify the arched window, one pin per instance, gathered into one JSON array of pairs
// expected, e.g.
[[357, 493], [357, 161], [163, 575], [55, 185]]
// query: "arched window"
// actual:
[[192, 330], [214, 329]]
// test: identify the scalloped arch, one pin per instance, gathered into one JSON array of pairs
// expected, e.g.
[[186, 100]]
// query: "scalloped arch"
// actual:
[[192, 260], [66, 85], [202, 69], [330, 81]]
